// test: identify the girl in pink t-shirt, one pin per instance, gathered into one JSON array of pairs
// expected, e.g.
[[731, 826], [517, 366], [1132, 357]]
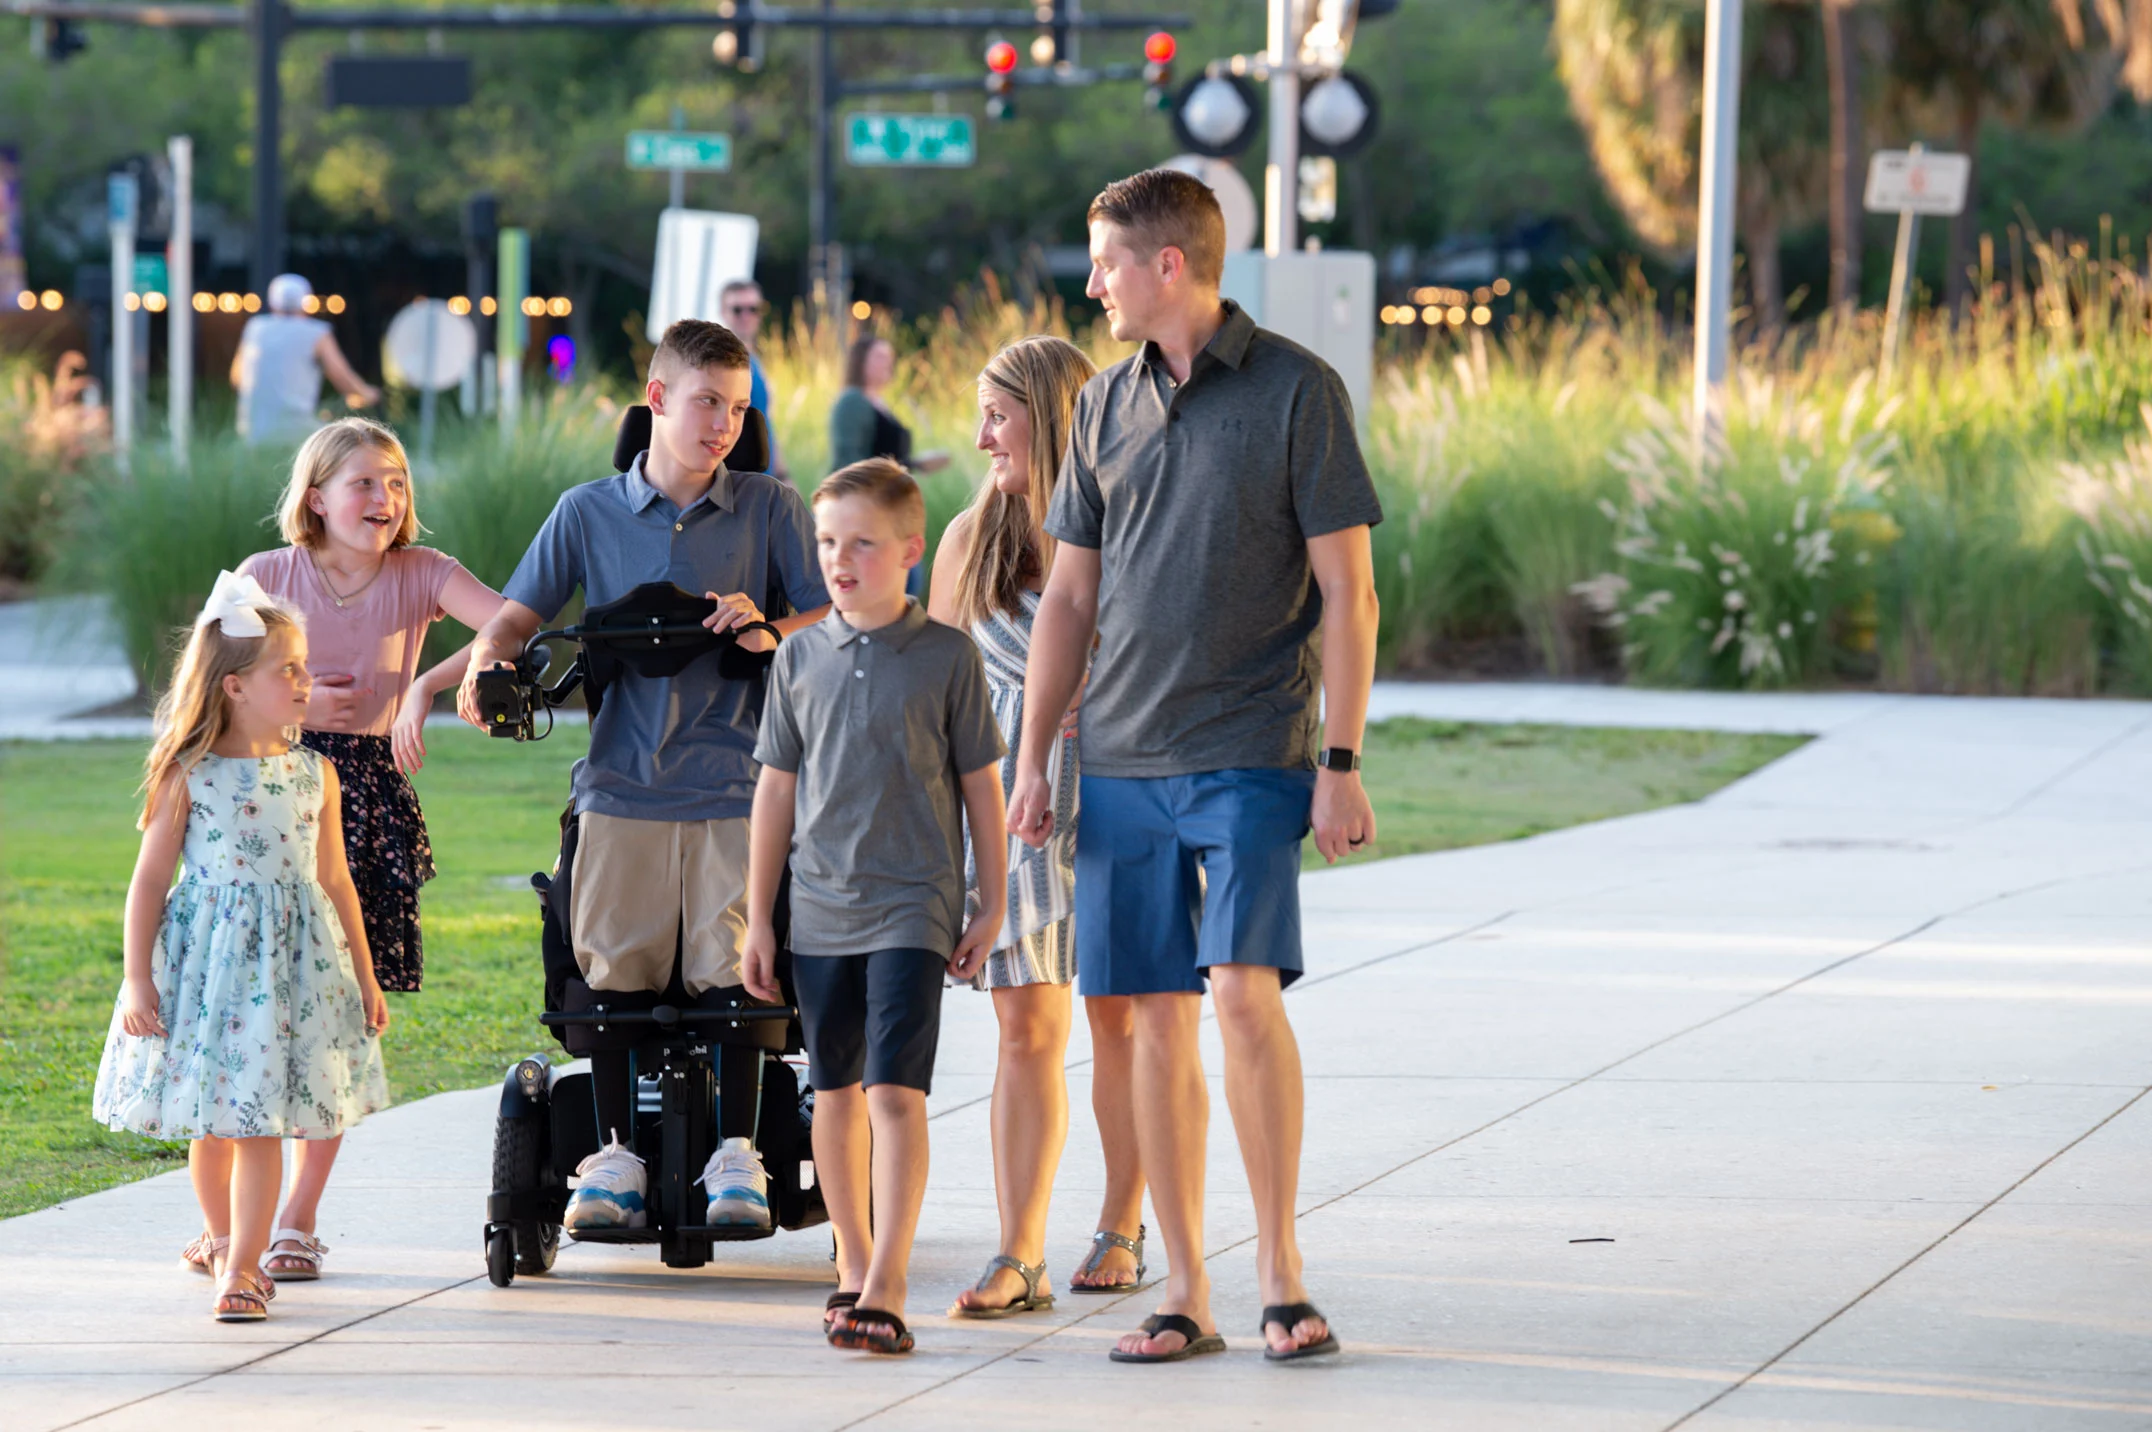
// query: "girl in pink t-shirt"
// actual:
[[367, 596]]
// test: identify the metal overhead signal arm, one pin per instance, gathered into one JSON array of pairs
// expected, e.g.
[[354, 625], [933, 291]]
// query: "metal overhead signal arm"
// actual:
[[270, 22]]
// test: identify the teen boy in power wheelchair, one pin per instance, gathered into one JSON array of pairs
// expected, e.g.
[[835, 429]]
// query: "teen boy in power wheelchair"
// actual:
[[658, 855]]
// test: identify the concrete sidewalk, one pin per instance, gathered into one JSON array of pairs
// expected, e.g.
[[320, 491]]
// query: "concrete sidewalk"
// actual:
[[1819, 1104]]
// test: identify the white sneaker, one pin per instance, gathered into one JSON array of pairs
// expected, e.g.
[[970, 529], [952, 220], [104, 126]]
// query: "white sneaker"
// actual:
[[609, 1191], [739, 1189]]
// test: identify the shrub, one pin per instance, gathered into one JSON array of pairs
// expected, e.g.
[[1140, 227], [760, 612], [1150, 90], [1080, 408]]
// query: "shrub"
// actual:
[[1733, 565], [154, 541], [48, 440]]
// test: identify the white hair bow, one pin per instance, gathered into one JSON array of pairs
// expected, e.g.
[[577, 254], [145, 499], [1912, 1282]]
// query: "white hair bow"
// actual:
[[235, 605]]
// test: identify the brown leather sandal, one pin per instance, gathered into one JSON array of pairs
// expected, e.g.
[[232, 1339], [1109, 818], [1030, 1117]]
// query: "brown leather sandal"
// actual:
[[203, 1254], [243, 1297]]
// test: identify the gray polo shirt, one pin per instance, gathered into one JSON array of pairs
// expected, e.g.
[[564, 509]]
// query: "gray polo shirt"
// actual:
[[1200, 499], [880, 727], [682, 747]]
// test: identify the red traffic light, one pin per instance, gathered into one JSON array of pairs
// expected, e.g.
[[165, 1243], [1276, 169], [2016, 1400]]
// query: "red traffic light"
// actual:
[[1001, 57], [1159, 48]]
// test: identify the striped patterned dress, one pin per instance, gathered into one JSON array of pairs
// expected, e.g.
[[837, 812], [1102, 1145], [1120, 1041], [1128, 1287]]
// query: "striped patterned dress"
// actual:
[[1038, 941]]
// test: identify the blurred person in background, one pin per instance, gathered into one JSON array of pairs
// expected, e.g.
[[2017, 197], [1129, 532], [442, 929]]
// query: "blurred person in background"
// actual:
[[862, 424], [741, 308], [283, 356]]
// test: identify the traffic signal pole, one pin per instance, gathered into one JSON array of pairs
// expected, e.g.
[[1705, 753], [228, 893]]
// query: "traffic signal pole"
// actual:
[[270, 22], [265, 26], [1281, 176]]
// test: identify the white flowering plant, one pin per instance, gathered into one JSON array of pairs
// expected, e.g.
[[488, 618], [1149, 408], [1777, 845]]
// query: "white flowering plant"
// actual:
[[2112, 500], [1736, 557]]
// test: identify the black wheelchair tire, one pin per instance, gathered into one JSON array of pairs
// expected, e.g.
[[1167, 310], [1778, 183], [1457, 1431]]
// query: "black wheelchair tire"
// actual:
[[519, 1164], [501, 1257]]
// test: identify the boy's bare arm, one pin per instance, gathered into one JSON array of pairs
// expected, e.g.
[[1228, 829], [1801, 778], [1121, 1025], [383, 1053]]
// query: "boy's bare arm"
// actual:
[[499, 641], [990, 853], [1060, 638], [769, 845]]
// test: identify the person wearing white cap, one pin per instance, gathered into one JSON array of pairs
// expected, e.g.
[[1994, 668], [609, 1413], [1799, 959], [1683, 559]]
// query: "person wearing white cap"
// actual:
[[283, 356]]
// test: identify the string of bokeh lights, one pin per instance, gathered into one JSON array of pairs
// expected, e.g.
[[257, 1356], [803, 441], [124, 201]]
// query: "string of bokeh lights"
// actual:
[[52, 300]]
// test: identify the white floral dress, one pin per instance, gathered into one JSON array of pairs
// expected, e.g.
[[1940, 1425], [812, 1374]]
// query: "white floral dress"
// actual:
[[265, 1026]]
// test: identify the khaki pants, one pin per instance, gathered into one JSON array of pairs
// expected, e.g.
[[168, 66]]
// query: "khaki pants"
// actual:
[[643, 886]]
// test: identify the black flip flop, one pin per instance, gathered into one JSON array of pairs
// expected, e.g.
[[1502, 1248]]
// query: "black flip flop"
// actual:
[[1198, 1341], [1290, 1316], [845, 1301], [870, 1330]]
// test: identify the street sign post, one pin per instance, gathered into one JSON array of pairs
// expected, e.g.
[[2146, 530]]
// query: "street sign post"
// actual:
[[179, 289], [923, 141], [151, 274], [1910, 183], [123, 203], [669, 149]]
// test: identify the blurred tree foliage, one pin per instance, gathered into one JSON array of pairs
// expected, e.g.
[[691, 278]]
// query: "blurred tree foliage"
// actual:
[[1477, 136]]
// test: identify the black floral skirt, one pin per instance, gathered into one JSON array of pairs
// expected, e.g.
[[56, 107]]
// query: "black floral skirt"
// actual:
[[386, 846]]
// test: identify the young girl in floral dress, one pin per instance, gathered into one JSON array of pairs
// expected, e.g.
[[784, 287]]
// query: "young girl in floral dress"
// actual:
[[245, 1015], [368, 597]]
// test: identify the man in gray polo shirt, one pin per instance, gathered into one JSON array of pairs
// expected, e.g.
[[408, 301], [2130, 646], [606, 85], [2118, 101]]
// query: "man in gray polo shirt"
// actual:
[[1213, 516], [662, 799]]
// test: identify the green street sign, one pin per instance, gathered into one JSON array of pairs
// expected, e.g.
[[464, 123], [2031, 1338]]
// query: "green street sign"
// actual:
[[678, 149], [150, 275], [932, 141]]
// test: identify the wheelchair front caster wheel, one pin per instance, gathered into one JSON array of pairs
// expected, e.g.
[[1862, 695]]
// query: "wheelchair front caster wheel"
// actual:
[[501, 1257]]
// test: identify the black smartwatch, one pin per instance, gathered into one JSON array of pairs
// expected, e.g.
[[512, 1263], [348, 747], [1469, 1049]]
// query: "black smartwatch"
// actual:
[[1338, 758]]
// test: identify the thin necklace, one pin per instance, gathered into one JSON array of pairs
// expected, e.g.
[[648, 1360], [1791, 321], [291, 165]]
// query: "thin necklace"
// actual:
[[345, 600]]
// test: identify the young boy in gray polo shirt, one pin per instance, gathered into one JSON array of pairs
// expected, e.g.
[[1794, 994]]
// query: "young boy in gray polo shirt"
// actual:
[[877, 744]]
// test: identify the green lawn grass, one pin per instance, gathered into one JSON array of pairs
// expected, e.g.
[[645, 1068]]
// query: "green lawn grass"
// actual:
[[67, 847]]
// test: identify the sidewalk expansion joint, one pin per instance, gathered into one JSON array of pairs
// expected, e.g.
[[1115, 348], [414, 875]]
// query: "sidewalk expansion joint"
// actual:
[[1857, 1299], [272, 1353]]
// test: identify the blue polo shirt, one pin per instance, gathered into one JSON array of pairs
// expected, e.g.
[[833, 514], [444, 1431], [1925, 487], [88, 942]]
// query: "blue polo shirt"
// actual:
[[681, 747]]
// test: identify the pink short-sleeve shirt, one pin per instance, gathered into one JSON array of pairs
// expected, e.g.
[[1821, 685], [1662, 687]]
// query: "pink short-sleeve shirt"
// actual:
[[376, 637]]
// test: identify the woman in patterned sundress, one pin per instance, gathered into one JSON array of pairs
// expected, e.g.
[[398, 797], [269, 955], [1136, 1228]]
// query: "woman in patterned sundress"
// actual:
[[248, 1012], [988, 574]]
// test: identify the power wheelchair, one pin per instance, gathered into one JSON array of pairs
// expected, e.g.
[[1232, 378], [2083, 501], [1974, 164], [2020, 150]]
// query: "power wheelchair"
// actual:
[[548, 1120]]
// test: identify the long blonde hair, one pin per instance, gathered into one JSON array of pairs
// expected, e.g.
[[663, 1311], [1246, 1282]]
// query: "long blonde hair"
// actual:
[[1009, 546], [196, 710], [325, 451]]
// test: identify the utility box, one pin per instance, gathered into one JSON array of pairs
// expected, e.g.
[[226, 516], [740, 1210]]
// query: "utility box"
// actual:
[[1323, 301]]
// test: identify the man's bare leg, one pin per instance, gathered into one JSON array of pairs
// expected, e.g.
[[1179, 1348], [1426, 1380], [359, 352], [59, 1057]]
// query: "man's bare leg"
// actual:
[[1030, 1125], [1263, 1089], [1113, 1047], [1172, 1125], [842, 1151], [899, 1118]]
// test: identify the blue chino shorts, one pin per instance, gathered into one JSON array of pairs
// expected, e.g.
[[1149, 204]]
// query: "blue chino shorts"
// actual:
[[1145, 922]]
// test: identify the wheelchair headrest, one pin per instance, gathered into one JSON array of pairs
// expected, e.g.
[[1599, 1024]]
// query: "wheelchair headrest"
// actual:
[[750, 454]]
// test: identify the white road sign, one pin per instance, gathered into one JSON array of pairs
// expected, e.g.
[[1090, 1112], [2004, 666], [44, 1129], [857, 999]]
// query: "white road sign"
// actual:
[[1243, 218], [699, 252], [429, 347], [1903, 182]]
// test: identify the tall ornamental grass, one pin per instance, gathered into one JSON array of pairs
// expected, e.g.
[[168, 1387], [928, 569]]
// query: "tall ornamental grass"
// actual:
[[1981, 522]]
